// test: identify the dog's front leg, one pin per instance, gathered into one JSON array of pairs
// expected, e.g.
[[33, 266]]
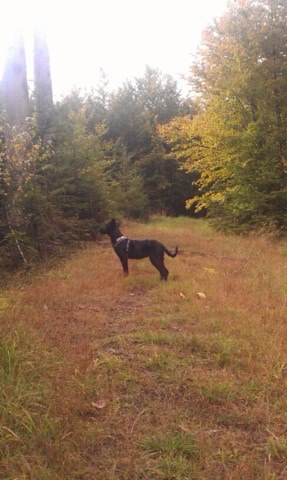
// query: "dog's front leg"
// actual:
[[124, 262]]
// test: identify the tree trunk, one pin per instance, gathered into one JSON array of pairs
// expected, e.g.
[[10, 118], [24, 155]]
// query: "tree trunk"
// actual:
[[14, 83], [43, 87]]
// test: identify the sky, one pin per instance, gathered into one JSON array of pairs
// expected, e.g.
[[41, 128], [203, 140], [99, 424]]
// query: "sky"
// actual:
[[119, 37]]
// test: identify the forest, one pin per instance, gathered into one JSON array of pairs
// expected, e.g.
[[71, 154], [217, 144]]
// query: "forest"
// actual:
[[67, 166]]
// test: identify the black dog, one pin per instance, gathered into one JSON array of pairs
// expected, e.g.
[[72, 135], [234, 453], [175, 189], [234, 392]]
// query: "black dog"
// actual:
[[137, 249]]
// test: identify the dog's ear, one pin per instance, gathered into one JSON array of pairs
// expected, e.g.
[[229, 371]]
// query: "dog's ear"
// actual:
[[113, 222]]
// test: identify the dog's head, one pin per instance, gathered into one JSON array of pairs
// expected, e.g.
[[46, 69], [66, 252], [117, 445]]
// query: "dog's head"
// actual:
[[109, 228]]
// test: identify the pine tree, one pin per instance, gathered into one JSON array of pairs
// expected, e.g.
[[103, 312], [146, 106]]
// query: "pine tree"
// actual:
[[14, 86], [43, 86]]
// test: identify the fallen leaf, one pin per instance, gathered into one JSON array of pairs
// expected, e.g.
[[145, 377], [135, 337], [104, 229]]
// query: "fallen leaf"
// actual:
[[182, 295], [99, 405], [201, 295], [184, 428], [210, 270], [113, 351]]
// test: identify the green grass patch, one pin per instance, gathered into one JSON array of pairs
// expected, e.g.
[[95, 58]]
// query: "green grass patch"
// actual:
[[175, 444], [171, 457], [4, 301], [160, 361], [276, 447], [160, 338], [164, 223], [34, 436], [219, 391]]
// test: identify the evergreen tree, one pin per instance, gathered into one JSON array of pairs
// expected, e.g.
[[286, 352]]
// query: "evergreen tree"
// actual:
[[42, 87], [14, 86], [159, 95], [135, 112], [97, 103]]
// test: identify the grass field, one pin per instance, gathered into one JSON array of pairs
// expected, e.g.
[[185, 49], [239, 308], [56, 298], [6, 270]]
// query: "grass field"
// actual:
[[110, 378]]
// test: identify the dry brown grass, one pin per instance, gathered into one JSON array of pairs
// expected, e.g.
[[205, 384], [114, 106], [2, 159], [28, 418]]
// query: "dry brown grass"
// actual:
[[146, 380]]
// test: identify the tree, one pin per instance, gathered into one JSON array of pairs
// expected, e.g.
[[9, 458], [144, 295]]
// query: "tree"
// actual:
[[126, 183], [18, 159], [14, 86], [81, 158], [237, 141], [16, 152], [97, 103], [135, 112], [159, 95], [128, 121], [42, 86]]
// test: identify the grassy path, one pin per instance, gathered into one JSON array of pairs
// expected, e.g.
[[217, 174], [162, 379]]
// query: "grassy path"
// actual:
[[112, 378]]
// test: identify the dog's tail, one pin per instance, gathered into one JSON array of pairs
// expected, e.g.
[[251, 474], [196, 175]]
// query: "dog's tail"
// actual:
[[171, 254]]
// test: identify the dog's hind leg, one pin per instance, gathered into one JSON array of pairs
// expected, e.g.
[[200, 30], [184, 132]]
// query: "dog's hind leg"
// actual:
[[159, 265]]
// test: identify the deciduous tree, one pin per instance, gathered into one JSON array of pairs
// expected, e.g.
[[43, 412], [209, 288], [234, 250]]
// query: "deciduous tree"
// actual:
[[238, 140]]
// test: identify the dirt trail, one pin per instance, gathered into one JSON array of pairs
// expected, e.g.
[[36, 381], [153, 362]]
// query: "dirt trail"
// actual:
[[85, 301]]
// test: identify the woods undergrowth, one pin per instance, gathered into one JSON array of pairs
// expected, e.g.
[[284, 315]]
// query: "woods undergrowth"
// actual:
[[112, 378]]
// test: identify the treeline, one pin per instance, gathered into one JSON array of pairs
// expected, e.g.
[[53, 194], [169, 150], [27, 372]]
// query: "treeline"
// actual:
[[66, 168], [238, 139]]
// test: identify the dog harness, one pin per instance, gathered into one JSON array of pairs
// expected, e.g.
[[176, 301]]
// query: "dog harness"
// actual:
[[121, 239]]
